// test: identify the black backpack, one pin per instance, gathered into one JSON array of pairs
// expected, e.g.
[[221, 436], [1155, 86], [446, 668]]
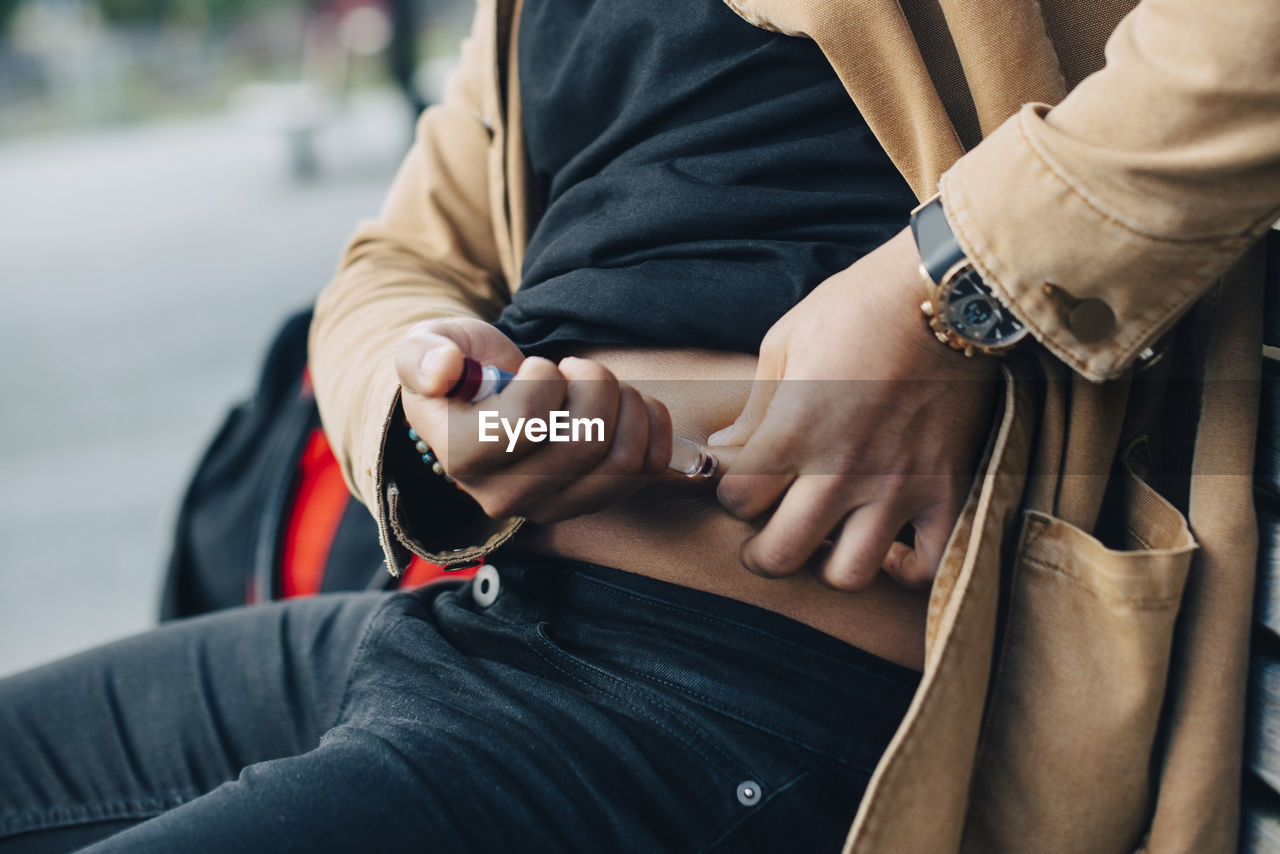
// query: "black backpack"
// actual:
[[228, 538]]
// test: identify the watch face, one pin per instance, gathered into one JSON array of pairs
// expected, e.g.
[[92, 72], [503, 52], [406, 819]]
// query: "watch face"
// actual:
[[975, 314]]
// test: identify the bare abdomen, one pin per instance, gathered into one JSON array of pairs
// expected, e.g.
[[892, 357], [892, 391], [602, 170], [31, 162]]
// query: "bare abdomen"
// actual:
[[677, 532]]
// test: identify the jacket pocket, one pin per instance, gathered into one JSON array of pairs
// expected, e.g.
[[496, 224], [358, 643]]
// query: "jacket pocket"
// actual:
[[1065, 762]]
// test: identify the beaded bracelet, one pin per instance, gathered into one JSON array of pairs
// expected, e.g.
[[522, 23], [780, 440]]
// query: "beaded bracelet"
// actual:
[[428, 456]]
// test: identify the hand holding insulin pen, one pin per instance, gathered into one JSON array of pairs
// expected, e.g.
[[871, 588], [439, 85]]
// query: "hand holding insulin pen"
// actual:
[[481, 381]]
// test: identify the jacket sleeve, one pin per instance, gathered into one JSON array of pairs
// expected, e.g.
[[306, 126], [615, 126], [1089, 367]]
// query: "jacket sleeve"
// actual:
[[430, 253], [1137, 191]]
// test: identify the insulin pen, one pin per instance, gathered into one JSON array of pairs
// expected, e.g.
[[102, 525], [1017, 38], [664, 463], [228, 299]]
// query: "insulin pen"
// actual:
[[480, 381]]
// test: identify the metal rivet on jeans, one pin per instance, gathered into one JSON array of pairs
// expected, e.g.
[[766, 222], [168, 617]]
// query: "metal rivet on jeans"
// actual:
[[486, 585], [748, 793]]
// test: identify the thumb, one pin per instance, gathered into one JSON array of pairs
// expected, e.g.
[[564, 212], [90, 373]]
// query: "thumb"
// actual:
[[428, 363], [762, 392]]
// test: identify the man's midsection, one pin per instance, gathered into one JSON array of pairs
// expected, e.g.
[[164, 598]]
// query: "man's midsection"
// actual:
[[675, 530]]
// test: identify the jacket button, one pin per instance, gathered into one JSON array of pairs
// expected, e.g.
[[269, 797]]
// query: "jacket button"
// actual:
[[485, 586], [1091, 320]]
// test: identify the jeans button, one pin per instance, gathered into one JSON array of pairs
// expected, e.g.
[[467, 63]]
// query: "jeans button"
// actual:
[[748, 793], [486, 586]]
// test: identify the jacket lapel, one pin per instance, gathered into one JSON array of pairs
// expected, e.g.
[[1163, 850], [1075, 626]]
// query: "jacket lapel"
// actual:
[[1007, 57], [871, 47]]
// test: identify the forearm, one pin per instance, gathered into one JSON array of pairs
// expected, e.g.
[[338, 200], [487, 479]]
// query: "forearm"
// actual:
[[430, 253], [359, 322], [1149, 180]]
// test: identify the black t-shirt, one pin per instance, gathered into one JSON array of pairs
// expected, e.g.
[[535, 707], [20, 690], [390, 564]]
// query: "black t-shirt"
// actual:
[[700, 176]]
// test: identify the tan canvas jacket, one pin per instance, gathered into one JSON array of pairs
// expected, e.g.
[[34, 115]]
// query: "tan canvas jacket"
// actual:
[[1087, 635]]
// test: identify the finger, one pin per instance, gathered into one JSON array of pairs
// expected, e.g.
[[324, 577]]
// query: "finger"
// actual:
[[726, 458], [533, 479], [593, 392], [661, 436], [769, 370], [629, 444], [551, 485], [913, 568], [618, 474], [899, 552], [762, 392], [477, 339], [916, 568], [808, 513], [747, 496], [763, 469], [427, 363], [861, 547], [430, 417], [590, 397], [538, 388], [434, 375]]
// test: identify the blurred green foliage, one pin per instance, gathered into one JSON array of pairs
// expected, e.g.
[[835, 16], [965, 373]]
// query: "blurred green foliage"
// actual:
[[197, 12], [179, 11], [7, 8]]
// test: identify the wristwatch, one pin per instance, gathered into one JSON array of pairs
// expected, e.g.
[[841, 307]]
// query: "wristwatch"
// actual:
[[961, 309]]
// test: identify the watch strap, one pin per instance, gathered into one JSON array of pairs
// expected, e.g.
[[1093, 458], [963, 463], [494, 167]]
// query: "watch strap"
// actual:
[[961, 309], [939, 249]]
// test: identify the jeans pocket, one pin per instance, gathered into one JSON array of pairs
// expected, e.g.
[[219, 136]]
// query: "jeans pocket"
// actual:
[[1065, 762], [703, 774], [664, 713]]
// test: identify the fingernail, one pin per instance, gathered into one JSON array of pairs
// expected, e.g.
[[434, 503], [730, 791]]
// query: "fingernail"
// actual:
[[432, 361], [720, 437]]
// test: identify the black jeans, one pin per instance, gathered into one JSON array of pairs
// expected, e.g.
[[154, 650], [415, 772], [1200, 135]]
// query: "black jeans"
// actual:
[[585, 709]]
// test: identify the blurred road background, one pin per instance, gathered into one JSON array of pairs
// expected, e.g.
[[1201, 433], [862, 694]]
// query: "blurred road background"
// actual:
[[150, 245]]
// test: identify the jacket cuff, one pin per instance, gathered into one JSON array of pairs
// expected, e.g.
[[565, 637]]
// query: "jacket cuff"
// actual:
[[1092, 287], [420, 513]]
